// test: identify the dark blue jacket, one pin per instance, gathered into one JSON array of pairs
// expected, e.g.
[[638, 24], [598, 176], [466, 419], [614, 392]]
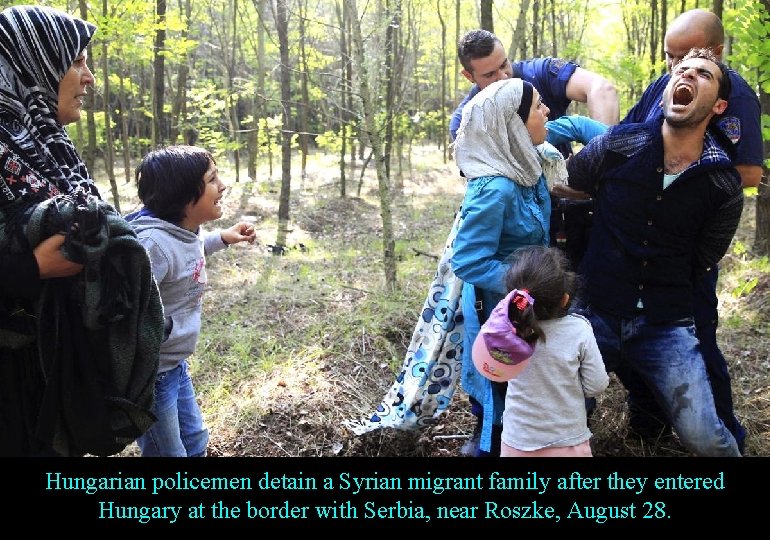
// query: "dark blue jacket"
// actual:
[[647, 242]]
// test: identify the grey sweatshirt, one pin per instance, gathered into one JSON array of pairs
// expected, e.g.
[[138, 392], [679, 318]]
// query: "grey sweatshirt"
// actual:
[[545, 404], [178, 259]]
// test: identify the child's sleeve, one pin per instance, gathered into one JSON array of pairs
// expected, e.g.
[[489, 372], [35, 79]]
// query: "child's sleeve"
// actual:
[[593, 374], [212, 241]]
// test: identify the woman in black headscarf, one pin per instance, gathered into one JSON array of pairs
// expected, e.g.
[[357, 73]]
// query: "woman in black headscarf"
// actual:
[[76, 340], [43, 79]]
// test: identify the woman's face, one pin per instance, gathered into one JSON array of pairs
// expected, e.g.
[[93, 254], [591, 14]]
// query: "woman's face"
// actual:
[[72, 90], [538, 115]]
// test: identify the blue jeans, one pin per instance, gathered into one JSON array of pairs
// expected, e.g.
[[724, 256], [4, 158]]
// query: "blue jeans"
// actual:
[[179, 431], [665, 360], [647, 418]]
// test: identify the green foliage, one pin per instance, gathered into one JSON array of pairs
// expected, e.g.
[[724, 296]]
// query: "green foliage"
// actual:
[[270, 133], [331, 141], [753, 268], [749, 22]]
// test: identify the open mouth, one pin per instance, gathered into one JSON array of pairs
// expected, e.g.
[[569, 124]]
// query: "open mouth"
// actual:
[[683, 95]]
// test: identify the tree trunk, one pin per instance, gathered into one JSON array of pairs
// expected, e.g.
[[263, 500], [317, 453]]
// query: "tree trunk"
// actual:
[[391, 33], [442, 92], [388, 242], [554, 49], [282, 27], [109, 143], [342, 17], [179, 107], [159, 73], [232, 97], [718, 8], [487, 22], [353, 119], [535, 29], [663, 27], [518, 48], [456, 92], [89, 154], [762, 230], [258, 100], [304, 126], [654, 35], [124, 134]]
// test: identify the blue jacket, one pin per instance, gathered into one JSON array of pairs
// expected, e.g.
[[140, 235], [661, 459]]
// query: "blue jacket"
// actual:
[[649, 242]]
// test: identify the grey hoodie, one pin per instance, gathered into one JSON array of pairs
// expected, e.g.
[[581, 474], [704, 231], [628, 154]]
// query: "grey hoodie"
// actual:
[[178, 259]]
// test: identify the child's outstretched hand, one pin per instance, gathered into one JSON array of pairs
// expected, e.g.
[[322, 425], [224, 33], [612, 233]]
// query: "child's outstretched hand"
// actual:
[[240, 232]]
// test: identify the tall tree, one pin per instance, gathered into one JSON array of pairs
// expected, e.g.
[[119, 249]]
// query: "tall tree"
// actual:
[[442, 93], [258, 99], [663, 27], [456, 85], [518, 48], [282, 27], [109, 144], [373, 135], [304, 127], [718, 8], [535, 29], [654, 34], [342, 17], [89, 154], [179, 105], [124, 120], [762, 231], [487, 21], [159, 73], [392, 56]]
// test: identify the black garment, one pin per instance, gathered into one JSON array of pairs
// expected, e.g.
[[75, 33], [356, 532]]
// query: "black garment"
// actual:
[[648, 242], [571, 223], [21, 388]]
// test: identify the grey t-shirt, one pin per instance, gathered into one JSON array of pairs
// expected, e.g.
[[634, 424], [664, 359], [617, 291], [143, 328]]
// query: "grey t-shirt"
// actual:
[[545, 404]]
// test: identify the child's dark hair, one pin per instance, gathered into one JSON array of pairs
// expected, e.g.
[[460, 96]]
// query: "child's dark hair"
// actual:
[[170, 178], [544, 273]]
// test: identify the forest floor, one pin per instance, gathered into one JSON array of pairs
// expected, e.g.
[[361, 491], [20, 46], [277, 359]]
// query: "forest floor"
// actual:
[[295, 344]]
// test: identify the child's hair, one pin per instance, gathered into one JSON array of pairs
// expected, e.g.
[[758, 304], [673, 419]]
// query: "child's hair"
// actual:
[[170, 178], [544, 274]]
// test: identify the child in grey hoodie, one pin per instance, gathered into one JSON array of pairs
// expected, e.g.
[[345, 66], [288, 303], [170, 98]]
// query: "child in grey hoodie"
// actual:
[[181, 190]]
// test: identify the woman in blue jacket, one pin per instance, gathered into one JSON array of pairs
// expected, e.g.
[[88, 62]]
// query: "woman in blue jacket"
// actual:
[[501, 148]]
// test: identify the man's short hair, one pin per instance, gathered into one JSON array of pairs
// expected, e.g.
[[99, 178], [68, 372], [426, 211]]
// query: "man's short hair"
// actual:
[[725, 85], [475, 44]]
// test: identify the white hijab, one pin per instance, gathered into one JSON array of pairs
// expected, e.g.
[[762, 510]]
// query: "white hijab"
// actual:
[[493, 141]]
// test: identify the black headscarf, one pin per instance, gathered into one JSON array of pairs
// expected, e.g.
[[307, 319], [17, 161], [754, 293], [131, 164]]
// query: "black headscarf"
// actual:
[[38, 45]]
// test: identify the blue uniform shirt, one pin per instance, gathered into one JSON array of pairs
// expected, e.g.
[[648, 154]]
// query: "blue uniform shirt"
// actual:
[[548, 75]]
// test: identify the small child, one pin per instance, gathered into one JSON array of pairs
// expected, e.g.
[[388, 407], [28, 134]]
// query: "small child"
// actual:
[[181, 190], [545, 410]]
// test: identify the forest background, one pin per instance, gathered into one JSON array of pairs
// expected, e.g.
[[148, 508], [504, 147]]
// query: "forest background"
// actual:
[[329, 120]]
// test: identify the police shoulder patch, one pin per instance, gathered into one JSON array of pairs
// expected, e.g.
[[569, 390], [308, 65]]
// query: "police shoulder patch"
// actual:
[[556, 64], [731, 126]]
